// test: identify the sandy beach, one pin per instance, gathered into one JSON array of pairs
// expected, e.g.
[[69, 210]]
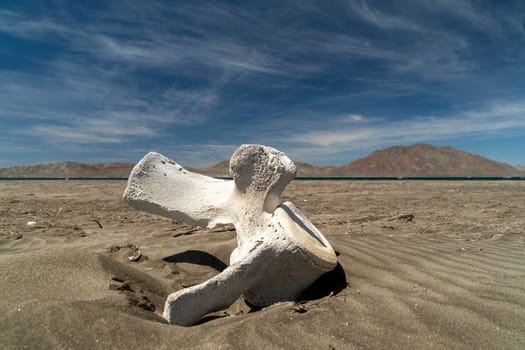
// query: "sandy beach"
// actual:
[[423, 265]]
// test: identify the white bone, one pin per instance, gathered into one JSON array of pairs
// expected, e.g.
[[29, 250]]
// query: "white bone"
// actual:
[[279, 252]]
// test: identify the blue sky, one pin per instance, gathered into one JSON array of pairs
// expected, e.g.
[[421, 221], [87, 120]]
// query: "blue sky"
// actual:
[[325, 81]]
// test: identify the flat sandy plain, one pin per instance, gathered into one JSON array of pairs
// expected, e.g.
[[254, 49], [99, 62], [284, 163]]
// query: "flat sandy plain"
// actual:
[[423, 265]]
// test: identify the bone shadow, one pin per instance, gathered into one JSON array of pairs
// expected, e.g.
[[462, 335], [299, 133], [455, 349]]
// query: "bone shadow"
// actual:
[[197, 257], [331, 282]]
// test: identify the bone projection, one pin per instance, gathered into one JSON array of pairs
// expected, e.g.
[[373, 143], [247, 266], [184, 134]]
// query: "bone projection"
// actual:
[[279, 252]]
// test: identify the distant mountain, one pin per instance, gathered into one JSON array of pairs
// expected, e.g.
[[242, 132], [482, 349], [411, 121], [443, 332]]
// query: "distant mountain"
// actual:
[[308, 170], [219, 169], [427, 160], [416, 160], [69, 169]]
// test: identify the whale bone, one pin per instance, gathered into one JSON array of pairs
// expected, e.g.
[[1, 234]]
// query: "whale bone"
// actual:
[[279, 251]]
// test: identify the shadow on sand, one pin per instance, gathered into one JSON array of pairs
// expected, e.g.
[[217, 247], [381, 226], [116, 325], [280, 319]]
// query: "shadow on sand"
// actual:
[[197, 257]]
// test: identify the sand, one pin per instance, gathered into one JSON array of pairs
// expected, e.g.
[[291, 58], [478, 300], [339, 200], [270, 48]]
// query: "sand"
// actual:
[[423, 265]]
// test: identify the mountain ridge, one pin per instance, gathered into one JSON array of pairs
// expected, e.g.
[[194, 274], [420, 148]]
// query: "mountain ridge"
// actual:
[[418, 160], [427, 160]]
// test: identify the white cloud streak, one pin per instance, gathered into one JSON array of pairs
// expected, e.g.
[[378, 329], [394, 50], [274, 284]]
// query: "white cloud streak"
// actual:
[[381, 19], [135, 71], [88, 105], [203, 155], [216, 38], [19, 25], [491, 119]]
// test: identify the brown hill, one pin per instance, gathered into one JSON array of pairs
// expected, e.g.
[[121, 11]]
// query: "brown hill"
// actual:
[[220, 169], [308, 170], [69, 169], [417, 160], [427, 160]]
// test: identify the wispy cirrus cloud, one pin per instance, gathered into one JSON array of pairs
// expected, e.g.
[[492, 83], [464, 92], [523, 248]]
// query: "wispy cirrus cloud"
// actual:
[[495, 117], [185, 52], [96, 72], [75, 103], [89, 131], [157, 45], [204, 154], [29, 28], [195, 75], [381, 19]]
